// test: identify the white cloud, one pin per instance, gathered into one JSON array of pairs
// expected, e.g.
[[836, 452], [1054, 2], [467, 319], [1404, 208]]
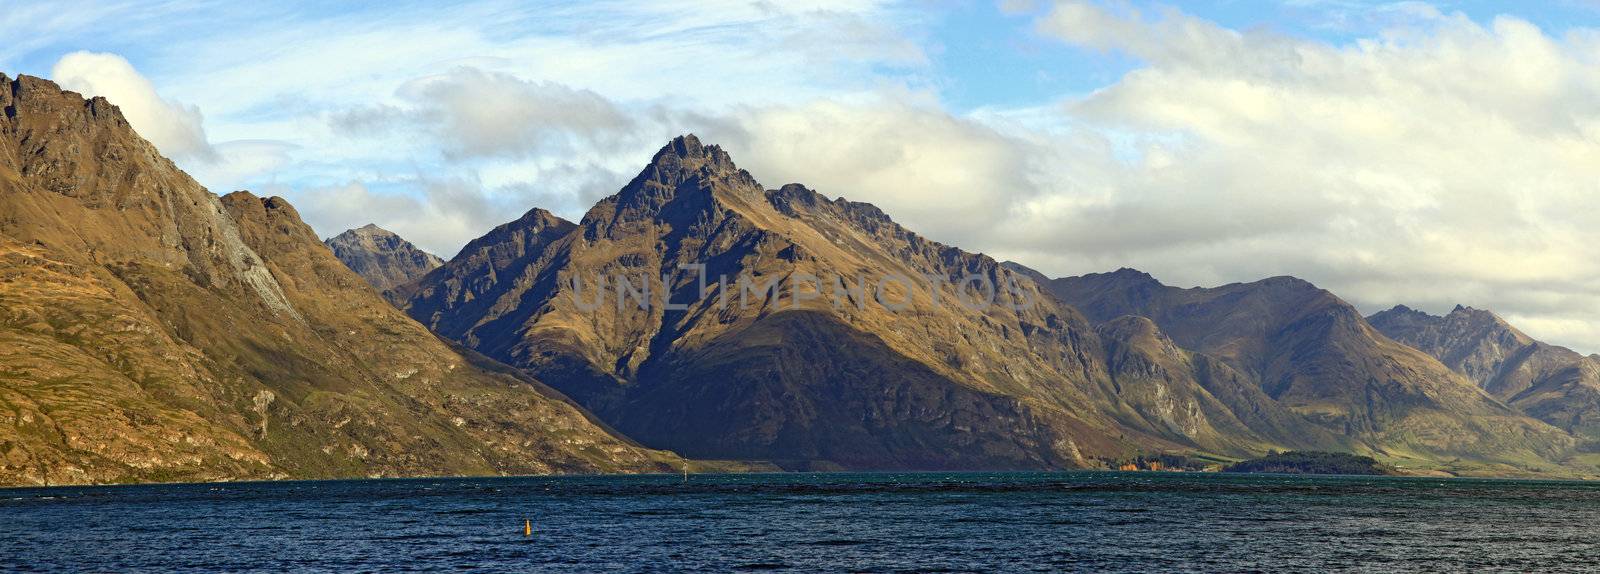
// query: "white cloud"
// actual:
[[472, 113], [446, 210], [173, 127], [239, 160], [1437, 164], [440, 214], [936, 173]]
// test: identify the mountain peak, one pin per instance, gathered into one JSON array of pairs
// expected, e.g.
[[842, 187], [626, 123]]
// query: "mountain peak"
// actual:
[[1131, 273], [1125, 277], [688, 150], [1026, 271], [536, 220], [540, 217], [1465, 313], [368, 231], [381, 257], [1286, 282], [1402, 311], [39, 94], [683, 169], [686, 145]]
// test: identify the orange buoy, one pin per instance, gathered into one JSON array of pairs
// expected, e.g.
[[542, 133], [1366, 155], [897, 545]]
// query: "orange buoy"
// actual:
[[527, 527]]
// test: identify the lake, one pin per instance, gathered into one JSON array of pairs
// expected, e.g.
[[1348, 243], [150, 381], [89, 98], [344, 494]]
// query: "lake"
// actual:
[[872, 522]]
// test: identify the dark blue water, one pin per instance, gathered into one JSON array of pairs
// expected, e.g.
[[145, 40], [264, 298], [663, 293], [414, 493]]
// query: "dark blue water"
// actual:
[[813, 522]]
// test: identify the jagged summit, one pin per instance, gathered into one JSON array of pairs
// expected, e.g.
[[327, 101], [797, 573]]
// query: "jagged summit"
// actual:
[[1124, 277], [25, 87], [686, 155], [1405, 310], [1552, 383], [1460, 319], [1026, 271], [1286, 281], [1478, 314], [539, 216], [683, 169], [381, 257], [688, 146]]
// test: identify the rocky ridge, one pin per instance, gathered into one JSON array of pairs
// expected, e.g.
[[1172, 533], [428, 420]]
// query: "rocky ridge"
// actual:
[[153, 331]]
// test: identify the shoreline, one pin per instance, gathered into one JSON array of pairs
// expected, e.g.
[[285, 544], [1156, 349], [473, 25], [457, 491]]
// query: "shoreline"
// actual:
[[581, 476]]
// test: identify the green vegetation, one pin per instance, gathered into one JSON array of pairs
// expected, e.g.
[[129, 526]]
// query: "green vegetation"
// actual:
[[1312, 462], [1171, 462]]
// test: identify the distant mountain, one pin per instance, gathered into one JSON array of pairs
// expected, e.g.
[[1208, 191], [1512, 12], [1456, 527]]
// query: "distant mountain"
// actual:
[[382, 258], [150, 330], [1311, 352], [1554, 384]]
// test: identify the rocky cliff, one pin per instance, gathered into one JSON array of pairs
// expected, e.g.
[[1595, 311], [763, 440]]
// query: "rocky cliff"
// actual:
[[151, 330]]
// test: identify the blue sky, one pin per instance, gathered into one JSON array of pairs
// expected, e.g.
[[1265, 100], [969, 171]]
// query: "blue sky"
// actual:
[[982, 53], [1427, 153]]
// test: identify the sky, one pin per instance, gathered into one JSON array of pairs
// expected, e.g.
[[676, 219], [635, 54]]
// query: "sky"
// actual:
[[1420, 153]]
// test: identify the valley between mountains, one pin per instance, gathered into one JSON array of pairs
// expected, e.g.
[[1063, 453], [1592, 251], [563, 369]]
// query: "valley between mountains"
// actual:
[[154, 331]]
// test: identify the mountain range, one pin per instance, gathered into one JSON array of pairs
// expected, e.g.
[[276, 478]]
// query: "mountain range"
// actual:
[[1098, 368], [155, 331]]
